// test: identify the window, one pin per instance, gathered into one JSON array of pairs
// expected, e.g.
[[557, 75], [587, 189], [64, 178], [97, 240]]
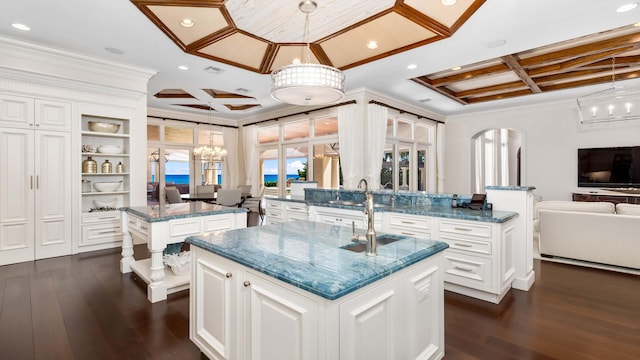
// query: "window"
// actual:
[[406, 165], [308, 150]]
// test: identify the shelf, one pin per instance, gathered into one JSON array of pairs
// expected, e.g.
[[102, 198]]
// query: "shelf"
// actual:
[[107, 135], [104, 193], [105, 155], [174, 283]]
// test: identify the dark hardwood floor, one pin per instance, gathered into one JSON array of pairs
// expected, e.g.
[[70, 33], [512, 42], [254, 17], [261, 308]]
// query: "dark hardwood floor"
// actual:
[[81, 307]]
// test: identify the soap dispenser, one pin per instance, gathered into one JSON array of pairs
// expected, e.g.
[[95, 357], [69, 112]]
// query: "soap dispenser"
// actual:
[[454, 201]]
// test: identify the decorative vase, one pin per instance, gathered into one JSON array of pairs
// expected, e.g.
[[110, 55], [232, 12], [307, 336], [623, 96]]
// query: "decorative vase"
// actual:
[[107, 167], [89, 166], [119, 168]]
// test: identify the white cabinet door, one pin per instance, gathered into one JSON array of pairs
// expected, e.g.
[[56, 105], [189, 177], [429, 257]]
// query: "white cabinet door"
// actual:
[[16, 195], [16, 111], [369, 324], [424, 287], [53, 194], [280, 323], [213, 323], [52, 115]]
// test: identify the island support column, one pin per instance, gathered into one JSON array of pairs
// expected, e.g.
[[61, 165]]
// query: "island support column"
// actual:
[[520, 200], [127, 244]]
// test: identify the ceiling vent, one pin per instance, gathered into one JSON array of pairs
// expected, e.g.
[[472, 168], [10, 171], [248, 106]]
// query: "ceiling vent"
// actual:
[[213, 70]]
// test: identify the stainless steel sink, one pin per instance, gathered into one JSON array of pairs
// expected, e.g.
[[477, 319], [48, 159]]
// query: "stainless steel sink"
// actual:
[[360, 247]]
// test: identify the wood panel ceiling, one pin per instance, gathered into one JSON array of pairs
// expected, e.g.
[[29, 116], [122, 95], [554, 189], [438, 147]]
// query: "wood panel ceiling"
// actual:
[[262, 36], [594, 59]]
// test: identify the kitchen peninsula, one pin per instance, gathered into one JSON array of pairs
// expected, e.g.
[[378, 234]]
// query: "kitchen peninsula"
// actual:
[[159, 226], [296, 290]]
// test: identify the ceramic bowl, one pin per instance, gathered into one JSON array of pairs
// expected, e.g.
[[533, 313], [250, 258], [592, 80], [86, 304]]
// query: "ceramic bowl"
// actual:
[[105, 204], [109, 149], [105, 186], [103, 127]]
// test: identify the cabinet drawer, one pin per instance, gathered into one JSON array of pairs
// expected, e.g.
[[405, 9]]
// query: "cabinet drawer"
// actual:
[[138, 225], [297, 216], [298, 208], [275, 205], [410, 231], [466, 270], [470, 245], [274, 213], [473, 229], [100, 233], [420, 223], [100, 217]]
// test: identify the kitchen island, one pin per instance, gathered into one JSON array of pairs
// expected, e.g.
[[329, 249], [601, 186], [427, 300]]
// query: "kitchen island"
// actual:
[[296, 290], [159, 226]]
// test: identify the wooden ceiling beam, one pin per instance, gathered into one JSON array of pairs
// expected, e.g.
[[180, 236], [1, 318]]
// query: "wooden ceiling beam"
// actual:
[[513, 63], [592, 81], [442, 91], [467, 75], [498, 96], [489, 89], [575, 63], [586, 49]]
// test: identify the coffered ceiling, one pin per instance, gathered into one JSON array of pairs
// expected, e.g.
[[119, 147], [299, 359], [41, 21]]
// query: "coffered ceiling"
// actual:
[[510, 53], [595, 59]]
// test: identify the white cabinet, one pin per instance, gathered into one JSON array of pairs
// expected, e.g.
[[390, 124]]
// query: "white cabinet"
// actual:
[[479, 261], [410, 225], [96, 204], [18, 111], [238, 313], [280, 211], [343, 217], [35, 180]]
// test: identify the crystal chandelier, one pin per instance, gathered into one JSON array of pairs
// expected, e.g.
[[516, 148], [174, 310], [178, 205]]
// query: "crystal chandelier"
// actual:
[[307, 83], [209, 152], [613, 104]]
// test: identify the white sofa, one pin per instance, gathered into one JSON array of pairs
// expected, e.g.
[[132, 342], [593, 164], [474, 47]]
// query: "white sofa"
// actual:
[[598, 232]]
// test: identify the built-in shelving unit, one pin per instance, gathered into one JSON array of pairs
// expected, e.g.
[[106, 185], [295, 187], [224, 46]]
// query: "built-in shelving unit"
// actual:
[[96, 139], [102, 228]]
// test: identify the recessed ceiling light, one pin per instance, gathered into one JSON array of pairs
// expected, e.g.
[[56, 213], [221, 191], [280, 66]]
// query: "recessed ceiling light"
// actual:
[[296, 61], [412, 66], [22, 27], [497, 43], [626, 7], [114, 50], [455, 68], [183, 67], [448, 2], [187, 23], [242, 90], [424, 100], [372, 45]]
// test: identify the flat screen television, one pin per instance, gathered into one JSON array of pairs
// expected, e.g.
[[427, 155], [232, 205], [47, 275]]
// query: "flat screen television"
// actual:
[[611, 167]]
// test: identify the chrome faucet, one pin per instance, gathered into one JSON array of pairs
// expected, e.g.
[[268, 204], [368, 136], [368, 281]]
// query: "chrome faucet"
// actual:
[[370, 235]]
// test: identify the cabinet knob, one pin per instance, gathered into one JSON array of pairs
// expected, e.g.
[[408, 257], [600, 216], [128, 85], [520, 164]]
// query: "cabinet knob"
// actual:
[[247, 283], [228, 275]]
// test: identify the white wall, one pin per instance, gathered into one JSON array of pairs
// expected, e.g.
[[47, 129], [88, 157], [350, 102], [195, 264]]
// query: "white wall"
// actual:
[[551, 136]]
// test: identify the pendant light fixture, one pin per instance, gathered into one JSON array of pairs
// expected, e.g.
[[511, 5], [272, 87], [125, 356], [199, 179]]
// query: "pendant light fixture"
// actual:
[[209, 152], [613, 104], [307, 83]]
